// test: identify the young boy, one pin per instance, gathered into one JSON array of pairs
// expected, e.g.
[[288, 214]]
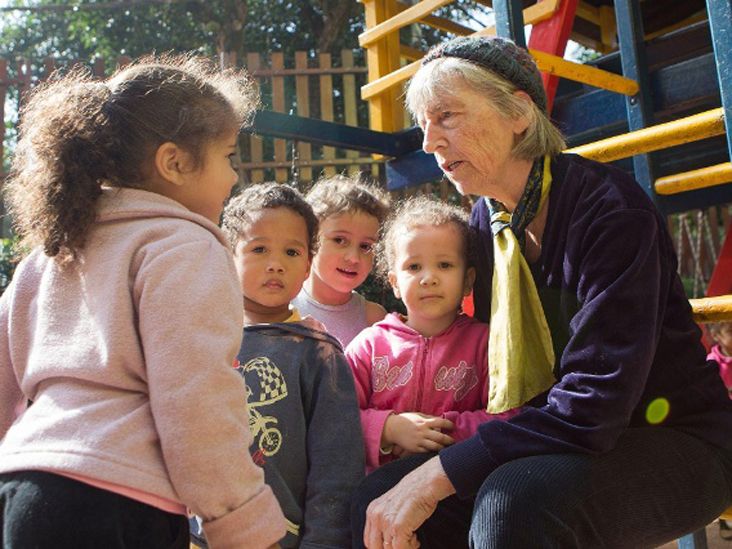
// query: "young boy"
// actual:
[[304, 415], [350, 213]]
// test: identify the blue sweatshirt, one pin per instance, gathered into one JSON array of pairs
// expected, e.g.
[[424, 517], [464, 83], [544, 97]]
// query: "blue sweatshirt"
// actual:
[[621, 325], [307, 432]]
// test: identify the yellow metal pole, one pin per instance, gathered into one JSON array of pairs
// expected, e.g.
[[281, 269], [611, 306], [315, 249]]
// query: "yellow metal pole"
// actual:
[[653, 138], [382, 57], [553, 64], [411, 15], [712, 309], [695, 179]]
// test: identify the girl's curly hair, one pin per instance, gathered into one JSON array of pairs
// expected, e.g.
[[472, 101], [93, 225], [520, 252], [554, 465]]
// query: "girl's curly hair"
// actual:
[[340, 193], [77, 134], [420, 211]]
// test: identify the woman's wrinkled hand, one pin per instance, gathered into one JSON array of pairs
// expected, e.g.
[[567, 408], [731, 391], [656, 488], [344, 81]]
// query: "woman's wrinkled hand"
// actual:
[[393, 519], [417, 433]]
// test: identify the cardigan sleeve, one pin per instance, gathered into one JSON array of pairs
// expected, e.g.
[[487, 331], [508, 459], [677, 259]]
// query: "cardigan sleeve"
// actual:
[[335, 450], [190, 329], [358, 354], [11, 396], [603, 368]]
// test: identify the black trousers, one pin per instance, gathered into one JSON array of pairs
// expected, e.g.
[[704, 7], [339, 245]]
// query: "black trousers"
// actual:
[[40, 510], [655, 486]]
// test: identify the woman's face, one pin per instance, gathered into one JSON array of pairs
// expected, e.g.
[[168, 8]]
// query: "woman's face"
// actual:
[[472, 142]]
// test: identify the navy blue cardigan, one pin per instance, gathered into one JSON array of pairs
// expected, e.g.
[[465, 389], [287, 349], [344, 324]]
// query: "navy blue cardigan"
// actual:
[[621, 326]]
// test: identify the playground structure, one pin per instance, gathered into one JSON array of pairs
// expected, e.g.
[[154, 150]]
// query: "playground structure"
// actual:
[[658, 103]]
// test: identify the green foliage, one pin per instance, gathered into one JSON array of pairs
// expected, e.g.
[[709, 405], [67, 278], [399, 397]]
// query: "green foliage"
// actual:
[[208, 27], [585, 55], [374, 290], [8, 261]]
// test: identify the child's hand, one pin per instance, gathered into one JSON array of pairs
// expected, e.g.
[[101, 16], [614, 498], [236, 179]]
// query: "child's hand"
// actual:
[[416, 433]]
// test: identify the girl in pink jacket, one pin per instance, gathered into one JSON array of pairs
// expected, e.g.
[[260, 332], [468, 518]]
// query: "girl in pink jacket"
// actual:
[[122, 323], [422, 380], [721, 351]]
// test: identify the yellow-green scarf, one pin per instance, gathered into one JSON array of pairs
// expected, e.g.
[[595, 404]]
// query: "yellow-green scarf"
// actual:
[[520, 351]]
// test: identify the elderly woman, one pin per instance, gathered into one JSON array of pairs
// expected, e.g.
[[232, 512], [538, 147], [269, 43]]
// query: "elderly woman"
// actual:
[[624, 438]]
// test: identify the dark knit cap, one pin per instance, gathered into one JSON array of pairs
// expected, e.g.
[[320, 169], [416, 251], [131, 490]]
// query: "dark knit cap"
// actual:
[[500, 56]]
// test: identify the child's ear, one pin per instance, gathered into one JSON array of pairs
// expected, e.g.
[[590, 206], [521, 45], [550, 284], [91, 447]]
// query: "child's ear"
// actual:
[[173, 163], [391, 276], [469, 281]]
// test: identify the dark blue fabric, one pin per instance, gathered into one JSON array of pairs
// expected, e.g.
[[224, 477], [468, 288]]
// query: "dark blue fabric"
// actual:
[[637, 495], [41, 510], [621, 327]]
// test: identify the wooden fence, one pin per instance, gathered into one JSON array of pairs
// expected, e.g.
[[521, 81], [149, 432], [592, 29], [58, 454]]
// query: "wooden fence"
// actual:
[[318, 86], [310, 85]]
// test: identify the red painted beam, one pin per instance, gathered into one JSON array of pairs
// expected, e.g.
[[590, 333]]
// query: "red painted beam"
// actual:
[[721, 281], [551, 36]]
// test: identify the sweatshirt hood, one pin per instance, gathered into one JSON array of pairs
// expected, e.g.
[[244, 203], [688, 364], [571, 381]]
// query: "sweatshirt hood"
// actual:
[[395, 322], [122, 203], [293, 328]]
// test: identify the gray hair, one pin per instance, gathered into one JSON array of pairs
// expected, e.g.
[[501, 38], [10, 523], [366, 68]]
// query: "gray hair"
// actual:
[[437, 79]]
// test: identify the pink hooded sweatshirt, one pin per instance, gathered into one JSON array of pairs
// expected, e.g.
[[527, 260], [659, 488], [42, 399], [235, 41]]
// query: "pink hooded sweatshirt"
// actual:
[[725, 366], [127, 356], [397, 370]]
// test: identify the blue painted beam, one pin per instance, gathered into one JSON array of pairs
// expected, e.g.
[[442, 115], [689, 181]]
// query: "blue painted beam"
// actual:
[[320, 132], [640, 106], [411, 169], [720, 23], [510, 20], [697, 540], [694, 200], [677, 90]]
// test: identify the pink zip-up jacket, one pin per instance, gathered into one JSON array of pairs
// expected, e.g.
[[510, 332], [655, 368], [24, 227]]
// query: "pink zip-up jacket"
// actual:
[[127, 356], [396, 370], [725, 366]]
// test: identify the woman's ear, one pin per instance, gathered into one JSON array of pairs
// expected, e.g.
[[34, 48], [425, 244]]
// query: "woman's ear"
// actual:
[[521, 123], [172, 163], [391, 276], [469, 281]]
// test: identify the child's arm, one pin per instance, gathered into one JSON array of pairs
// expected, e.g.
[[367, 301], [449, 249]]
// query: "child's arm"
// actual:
[[334, 446], [358, 355], [11, 397], [190, 330], [383, 428], [415, 433], [466, 423]]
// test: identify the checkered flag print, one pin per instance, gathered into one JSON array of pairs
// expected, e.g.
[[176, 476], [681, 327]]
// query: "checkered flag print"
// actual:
[[272, 385]]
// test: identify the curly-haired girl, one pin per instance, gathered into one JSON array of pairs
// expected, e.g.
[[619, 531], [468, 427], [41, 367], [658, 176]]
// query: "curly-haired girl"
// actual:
[[422, 380], [111, 327]]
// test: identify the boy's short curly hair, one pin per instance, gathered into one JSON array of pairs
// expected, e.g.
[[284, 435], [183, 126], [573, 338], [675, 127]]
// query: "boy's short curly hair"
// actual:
[[417, 211], [340, 193], [255, 198]]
